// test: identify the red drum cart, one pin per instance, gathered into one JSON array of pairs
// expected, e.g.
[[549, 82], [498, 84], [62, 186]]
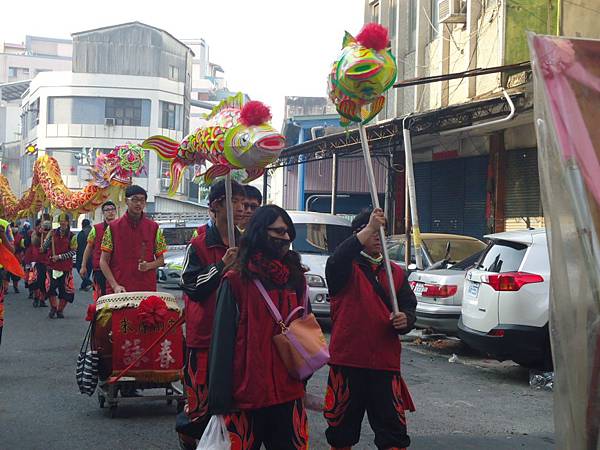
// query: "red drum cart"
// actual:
[[139, 340]]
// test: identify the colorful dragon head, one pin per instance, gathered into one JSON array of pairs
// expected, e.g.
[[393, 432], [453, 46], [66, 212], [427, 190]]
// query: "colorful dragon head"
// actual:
[[118, 166]]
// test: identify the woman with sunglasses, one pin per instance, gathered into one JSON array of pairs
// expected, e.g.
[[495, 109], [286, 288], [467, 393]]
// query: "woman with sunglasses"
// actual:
[[248, 382]]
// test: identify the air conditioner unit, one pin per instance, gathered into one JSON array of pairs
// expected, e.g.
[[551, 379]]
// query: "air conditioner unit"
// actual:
[[452, 11], [109, 121]]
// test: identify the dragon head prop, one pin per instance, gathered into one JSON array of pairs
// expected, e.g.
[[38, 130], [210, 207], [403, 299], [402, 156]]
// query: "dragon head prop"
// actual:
[[118, 166]]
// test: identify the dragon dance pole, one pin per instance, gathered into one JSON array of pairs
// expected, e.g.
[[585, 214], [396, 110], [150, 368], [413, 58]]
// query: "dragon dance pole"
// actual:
[[375, 199], [229, 204]]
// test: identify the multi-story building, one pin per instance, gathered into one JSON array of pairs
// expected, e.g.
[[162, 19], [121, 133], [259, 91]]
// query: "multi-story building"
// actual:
[[19, 63], [468, 180], [128, 82]]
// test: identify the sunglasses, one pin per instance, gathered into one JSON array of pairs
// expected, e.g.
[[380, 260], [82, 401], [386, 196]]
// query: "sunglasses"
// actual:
[[251, 206], [279, 231]]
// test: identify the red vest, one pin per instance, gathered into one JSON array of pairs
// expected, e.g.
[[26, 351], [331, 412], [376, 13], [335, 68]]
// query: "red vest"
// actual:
[[132, 242], [62, 244], [36, 253], [97, 252], [199, 315], [260, 378], [362, 334]]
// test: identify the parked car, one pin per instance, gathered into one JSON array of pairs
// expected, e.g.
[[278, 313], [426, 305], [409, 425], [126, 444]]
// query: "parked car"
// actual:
[[439, 295], [177, 236], [461, 247], [505, 304], [317, 236]]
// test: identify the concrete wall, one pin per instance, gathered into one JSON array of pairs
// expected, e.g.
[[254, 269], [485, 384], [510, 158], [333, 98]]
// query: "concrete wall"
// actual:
[[580, 18]]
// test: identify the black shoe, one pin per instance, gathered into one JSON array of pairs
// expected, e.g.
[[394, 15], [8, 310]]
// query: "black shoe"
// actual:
[[30, 295], [60, 315], [36, 303], [16, 290], [43, 304], [52, 313]]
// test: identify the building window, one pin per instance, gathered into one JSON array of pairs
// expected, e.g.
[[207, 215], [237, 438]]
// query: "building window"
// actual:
[[435, 19], [393, 19], [124, 111], [95, 110], [174, 73], [33, 115], [374, 10], [412, 25], [170, 116], [12, 72]]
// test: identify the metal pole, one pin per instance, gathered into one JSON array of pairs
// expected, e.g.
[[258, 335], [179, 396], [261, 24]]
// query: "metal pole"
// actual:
[[375, 199], [410, 178], [265, 186], [407, 251], [229, 205], [334, 180]]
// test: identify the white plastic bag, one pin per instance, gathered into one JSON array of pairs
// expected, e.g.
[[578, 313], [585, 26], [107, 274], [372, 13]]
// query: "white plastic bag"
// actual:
[[216, 436]]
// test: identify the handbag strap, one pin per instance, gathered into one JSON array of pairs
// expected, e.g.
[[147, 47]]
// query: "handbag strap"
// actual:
[[86, 340], [273, 309]]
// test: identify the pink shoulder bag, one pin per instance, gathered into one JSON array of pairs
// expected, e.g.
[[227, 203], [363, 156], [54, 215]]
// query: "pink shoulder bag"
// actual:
[[301, 344]]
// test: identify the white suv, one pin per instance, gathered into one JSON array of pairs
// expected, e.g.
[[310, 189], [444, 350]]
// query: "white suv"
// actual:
[[506, 299]]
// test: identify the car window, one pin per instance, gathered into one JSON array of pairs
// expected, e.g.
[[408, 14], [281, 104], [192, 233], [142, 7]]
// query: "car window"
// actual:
[[459, 248], [503, 256], [396, 251], [467, 263], [178, 235], [319, 238]]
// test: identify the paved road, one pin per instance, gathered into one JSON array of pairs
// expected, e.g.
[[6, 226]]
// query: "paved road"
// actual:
[[460, 406]]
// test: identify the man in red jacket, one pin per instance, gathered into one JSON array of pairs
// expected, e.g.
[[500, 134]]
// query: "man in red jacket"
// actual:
[[93, 249], [60, 246], [133, 247], [365, 348], [207, 257]]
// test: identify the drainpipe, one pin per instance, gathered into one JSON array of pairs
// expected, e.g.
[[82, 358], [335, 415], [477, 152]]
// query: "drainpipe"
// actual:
[[301, 170], [334, 181]]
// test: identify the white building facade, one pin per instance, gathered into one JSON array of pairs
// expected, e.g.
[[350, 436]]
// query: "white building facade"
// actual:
[[129, 82]]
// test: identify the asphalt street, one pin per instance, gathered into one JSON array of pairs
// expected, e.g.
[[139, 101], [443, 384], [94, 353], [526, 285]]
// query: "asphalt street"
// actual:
[[471, 404]]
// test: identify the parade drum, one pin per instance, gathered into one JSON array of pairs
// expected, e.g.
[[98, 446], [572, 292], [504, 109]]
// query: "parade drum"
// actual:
[[127, 324]]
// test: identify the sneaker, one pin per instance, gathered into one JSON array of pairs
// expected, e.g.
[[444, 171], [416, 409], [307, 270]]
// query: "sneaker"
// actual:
[[52, 313], [60, 315]]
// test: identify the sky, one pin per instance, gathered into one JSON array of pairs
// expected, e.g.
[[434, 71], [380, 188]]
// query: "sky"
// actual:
[[269, 49]]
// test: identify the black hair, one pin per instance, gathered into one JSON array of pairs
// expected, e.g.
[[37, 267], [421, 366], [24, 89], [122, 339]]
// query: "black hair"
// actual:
[[85, 223], [253, 193], [255, 240], [217, 191], [361, 220], [38, 222], [107, 203], [134, 189]]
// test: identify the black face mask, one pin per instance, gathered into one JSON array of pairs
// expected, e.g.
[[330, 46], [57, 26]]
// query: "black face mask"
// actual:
[[276, 248]]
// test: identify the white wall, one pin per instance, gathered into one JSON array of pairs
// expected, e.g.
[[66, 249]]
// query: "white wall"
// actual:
[[67, 136]]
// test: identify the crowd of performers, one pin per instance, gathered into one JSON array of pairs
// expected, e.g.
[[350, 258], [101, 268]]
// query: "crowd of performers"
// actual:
[[232, 367]]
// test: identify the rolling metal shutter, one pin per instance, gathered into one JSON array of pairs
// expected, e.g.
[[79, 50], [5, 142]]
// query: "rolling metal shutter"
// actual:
[[522, 194], [451, 195]]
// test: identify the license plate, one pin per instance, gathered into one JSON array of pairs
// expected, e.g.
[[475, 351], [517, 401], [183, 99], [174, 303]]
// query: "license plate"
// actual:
[[419, 288], [473, 289]]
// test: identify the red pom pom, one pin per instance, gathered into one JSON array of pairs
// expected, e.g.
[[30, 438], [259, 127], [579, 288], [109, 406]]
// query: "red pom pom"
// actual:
[[255, 113], [373, 36]]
